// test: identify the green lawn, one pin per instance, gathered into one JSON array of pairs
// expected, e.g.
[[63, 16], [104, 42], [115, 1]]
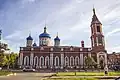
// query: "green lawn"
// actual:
[[71, 79], [87, 74], [4, 73]]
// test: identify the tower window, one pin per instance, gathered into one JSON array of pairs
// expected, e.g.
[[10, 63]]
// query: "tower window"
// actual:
[[98, 28], [100, 40]]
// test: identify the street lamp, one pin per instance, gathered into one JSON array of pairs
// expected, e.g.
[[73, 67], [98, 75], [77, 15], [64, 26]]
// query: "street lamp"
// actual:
[[8, 58]]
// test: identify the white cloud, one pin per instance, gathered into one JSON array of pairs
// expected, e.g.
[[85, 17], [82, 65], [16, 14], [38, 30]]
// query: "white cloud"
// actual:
[[113, 49], [69, 18], [112, 32]]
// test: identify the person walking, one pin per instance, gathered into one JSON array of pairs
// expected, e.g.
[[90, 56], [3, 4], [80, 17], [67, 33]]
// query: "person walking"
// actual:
[[106, 70]]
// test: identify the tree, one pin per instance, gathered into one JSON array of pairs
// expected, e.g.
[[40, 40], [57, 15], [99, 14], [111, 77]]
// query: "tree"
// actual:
[[1, 59], [89, 61], [8, 60], [3, 47], [5, 61], [13, 59]]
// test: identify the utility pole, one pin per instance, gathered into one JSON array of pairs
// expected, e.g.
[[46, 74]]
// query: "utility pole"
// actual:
[[8, 58]]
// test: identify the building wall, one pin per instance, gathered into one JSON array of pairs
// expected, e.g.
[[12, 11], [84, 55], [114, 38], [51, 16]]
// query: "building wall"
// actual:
[[53, 58]]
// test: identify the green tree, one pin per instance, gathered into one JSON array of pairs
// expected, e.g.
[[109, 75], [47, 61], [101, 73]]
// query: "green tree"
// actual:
[[3, 47], [1, 59], [8, 60], [89, 61], [5, 61], [13, 59]]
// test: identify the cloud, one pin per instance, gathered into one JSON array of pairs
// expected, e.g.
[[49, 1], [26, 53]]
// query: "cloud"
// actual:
[[112, 32], [70, 18], [113, 49]]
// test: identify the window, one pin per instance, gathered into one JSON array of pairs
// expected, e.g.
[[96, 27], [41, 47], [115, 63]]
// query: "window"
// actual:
[[95, 40], [71, 49], [100, 40], [21, 48], [61, 49], [98, 28], [32, 48], [51, 49], [80, 49], [41, 48]]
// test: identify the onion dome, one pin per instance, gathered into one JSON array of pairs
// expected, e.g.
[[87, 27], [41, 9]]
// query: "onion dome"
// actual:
[[29, 38], [44, 34], [82, 41], [34, 44], [57, 38]]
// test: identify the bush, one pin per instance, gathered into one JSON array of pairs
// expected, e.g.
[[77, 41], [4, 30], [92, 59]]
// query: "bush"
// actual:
[[4, 73]]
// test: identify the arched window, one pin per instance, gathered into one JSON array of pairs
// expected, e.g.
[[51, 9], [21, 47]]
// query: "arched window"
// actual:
[[41, 61], [71, 61], [26, 61], [76, 60], [98, 28], [66, 61], [46, 61], [56, 61], [36, 61]]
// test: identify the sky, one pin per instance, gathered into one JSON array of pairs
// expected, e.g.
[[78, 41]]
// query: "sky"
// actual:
[[70, 18]]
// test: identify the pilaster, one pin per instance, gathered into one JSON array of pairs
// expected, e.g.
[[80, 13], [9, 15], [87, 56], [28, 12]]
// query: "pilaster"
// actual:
[[51, 59], [31, 58], [81, 59], [62, 59]]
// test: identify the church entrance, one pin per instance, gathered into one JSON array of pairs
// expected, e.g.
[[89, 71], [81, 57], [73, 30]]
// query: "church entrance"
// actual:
[[101, 64]]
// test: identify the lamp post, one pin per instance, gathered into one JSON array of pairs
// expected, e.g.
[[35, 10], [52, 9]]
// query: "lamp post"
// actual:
[[8, 58]]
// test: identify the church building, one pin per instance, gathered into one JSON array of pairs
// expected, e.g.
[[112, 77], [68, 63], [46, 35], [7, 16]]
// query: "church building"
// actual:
[[47, 56]]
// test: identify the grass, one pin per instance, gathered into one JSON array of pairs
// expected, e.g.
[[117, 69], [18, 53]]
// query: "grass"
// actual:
[[87, 74], [71, 79], [4, 73]]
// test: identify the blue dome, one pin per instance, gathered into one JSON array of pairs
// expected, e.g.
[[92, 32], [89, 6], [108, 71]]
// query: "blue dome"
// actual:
[[57, 38], [34, 44], [44, 35], [29, 38]]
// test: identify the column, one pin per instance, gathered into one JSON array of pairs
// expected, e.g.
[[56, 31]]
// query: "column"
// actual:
[[51, 60], [81, 59], [31, 59], [62, 60], [21, 59]]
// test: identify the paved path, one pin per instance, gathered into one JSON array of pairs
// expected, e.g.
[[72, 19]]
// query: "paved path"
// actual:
[[26, 76]]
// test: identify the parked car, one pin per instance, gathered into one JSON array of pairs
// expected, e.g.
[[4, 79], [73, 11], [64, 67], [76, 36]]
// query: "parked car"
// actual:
[[28, 70]]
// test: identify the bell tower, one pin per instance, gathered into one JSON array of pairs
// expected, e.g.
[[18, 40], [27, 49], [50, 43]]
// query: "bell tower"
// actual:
[[97, 41], [97, 37]]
